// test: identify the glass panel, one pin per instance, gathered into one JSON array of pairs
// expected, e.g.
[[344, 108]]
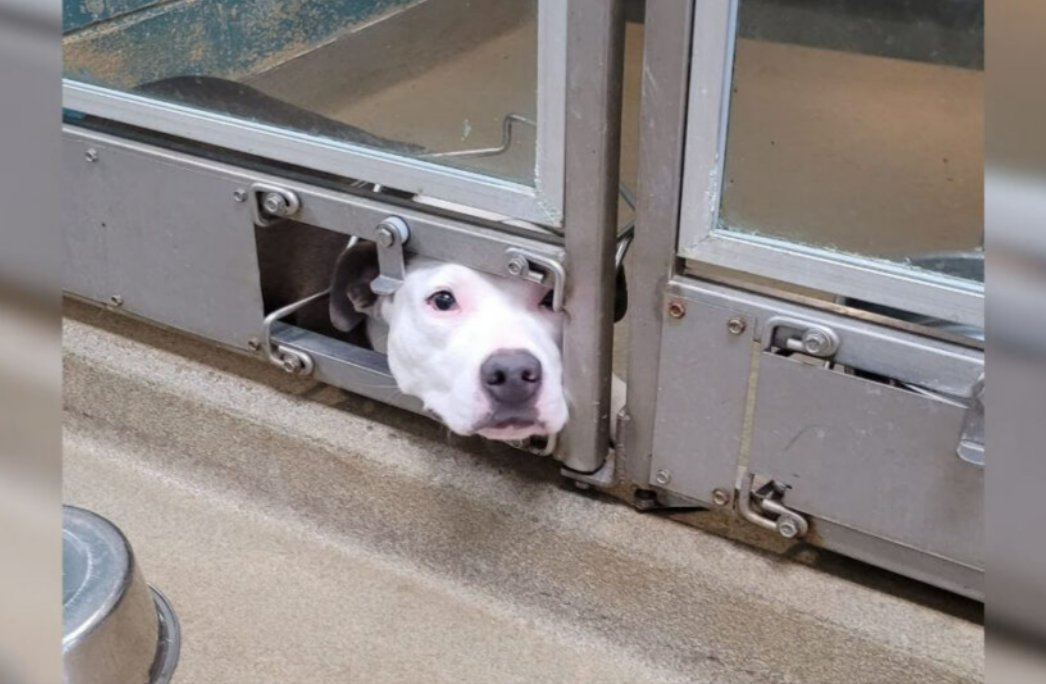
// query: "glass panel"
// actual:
[[857, 127], [419, 78]]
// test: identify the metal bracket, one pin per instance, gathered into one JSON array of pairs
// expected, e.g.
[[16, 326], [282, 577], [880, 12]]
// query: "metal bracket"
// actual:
[[538, 268], [291, 360], [271, 204], [812, 339], [390, 235], [753, 507], [971, 442]]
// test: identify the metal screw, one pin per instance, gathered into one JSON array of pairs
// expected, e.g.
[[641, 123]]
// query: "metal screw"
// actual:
[[816, 342], [275, 204], [116, 300], [677, 309], [720, 497], [736, 325], [91, 155], [517, 265], [787, 528], [386, 235], [240, 195], [292, 364], [254, 344], [663, 477]]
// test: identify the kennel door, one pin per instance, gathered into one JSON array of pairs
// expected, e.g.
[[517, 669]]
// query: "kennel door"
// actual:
[[821, 366], [458, 101]]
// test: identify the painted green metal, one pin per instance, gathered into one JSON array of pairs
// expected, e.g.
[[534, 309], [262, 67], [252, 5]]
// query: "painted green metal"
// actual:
[[124, 43]]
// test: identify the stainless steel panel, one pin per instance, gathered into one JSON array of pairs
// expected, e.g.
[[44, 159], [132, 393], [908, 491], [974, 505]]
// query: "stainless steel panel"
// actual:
[[869, 456], [162, 241], [936, 365], [905, 560], [662, 123], [701, 401]]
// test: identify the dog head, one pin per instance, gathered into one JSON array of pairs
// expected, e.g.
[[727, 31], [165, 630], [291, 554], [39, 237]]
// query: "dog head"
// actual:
[[481, 352]]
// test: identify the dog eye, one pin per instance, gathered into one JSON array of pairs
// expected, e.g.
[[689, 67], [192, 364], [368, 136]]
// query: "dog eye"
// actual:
[[546, 302], [443, 301]]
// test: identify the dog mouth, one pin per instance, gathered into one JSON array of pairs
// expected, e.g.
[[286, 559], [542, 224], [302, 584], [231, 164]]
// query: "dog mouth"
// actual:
[[509, 428]]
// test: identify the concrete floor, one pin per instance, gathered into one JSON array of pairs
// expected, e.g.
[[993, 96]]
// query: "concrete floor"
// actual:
[[304, 534]]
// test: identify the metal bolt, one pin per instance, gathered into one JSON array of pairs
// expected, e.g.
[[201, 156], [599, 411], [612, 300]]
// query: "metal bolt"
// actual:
[[275, 204], [677, 309], [645, 499], [816, 342], [292, 364], [787, 528], [663, 477], [91, 155], [720, 497], [116, 300], [240, 195], [254, 344], [736, 325], [386, 235], [517, 265]]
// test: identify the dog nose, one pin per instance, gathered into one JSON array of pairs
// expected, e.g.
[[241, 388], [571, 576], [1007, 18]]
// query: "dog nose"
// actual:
[[511, 378]]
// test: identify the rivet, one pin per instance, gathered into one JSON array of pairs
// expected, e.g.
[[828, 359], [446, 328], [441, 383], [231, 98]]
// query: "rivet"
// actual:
[[516, 265], [736, 325], [91, 155], [254, 344], [116, 300], [240, 195], [720, 497], [663, 477], [676, 309]]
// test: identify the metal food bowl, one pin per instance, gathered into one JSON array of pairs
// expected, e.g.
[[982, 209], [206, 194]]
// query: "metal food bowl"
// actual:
[[116, 629]]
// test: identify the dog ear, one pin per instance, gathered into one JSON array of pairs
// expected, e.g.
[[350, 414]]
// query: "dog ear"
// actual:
[[351, 297]]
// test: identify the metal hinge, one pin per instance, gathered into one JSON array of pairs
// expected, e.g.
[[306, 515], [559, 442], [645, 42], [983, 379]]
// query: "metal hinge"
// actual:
[[758, 507], [538, 268], [390, 235]]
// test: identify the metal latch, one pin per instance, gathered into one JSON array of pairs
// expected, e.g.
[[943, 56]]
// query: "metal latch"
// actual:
[[539, 269], [793, 334], [390, 235], [754, 507], [971, 442], [291, 360]]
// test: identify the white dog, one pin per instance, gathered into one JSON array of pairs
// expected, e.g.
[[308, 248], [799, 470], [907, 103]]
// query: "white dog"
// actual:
[[481, 352]]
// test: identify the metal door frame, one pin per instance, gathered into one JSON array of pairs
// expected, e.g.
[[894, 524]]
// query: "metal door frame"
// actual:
[[543, 203]]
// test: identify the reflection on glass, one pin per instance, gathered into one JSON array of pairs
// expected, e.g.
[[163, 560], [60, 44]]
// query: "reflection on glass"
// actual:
[[857, 126], [421, 78]]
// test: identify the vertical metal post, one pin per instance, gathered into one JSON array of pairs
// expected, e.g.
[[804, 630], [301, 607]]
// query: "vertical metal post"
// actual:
[[666, 69], [595, 51]]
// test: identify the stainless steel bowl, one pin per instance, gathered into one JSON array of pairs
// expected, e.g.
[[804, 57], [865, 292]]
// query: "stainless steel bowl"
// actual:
[[116, 629]]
